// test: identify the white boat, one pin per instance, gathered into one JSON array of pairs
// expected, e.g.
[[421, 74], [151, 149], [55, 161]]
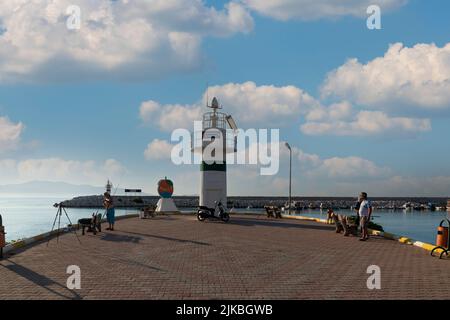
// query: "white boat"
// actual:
[[407, 206]]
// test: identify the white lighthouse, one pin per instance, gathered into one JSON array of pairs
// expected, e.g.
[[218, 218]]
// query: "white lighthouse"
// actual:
[[213, 169], [108, 186]]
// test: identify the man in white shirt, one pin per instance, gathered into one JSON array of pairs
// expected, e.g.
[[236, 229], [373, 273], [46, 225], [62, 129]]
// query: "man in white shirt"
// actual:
[[365, 213]]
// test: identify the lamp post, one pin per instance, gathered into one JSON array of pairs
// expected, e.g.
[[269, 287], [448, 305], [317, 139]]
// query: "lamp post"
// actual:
[[290, 174]]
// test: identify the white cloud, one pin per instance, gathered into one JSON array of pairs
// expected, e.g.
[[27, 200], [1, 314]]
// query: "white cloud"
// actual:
[[267, 185], [417, 76], [425, 186], [9, 134], [60, 170], [121, 39], [170, 116], [264, 106], [314, 175], [317, 9], [158, 150], [268, 104], [336, 111], [307, 159], [351, 167], [148, 110], [367, 123], [402, 186]]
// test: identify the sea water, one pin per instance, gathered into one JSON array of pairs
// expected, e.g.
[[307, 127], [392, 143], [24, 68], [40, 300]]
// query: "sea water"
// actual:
[[29, 216], [25, 217], [419, 225]]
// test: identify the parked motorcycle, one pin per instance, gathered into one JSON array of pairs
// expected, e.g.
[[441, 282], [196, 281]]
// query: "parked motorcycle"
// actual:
[[218, 212]]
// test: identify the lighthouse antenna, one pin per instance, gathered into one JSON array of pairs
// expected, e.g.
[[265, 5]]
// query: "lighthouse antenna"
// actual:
[[215, 104]]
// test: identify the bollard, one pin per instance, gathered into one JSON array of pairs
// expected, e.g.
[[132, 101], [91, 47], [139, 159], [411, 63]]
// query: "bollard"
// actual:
[[2, 237]]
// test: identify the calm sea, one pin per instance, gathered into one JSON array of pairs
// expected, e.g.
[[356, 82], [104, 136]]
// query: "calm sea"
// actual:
[[419, 225], [30, 216], [25, 217]]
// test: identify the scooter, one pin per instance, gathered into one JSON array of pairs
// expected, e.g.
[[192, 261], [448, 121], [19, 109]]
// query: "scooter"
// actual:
[[218, 212]]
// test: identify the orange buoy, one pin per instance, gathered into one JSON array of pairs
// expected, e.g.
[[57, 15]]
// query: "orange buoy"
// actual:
[[442, 236]]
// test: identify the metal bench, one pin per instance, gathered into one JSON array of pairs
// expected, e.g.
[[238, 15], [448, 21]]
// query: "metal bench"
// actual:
[[148, 212], [93, 224], [273, 212]]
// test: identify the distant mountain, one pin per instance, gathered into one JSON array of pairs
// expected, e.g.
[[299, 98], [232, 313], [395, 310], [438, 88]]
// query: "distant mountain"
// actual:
[[54, 188]]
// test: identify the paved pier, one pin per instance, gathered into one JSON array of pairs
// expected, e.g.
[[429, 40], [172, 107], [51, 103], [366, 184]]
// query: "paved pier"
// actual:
[[251, 257]]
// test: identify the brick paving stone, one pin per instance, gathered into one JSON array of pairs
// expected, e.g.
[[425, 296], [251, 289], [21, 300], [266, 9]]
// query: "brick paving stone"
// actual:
[[178, 257]]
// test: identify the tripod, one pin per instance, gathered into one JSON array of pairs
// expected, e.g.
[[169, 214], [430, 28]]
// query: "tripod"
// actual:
[[58, 217]]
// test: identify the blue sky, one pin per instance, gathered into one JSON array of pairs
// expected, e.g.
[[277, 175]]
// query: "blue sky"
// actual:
[[78, 102]]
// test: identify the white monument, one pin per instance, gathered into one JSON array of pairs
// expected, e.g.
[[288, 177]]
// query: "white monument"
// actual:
[[165, 203]]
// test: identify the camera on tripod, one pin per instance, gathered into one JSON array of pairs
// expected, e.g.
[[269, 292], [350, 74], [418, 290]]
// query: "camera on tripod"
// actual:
[[58, 215], [57, 205]]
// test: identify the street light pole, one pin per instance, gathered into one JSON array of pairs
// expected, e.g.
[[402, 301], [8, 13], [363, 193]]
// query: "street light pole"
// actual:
[[290, 175]]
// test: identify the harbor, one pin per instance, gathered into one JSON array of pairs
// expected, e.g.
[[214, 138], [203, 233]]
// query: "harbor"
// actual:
[[244, 202], [265, 259], [176, 247], [233, 157], [27, 217]]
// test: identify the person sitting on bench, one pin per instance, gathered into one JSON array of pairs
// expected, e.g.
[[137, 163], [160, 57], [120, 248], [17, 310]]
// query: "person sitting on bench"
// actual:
[[342, 224]]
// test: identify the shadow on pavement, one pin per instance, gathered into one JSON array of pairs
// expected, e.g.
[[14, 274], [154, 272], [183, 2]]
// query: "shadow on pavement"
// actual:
[[119, 238], [40, 280], [137, 264], [167, 238], [248, 222]]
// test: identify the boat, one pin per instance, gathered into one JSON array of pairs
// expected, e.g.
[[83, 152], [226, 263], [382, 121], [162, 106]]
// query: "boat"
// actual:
[[296, 206], [407, 206]]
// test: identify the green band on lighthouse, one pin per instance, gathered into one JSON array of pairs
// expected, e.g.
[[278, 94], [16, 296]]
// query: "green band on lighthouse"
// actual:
[[213, 167]]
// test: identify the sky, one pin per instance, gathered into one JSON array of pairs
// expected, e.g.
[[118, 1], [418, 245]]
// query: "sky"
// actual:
[[363, 109]]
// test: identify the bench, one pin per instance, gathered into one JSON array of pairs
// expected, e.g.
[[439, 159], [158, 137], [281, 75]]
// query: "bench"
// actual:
[[93, 224], [148, 212], [273, 212], [344, 224]]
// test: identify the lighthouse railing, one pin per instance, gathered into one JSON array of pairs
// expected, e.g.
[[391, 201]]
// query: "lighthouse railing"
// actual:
[[218, 118]]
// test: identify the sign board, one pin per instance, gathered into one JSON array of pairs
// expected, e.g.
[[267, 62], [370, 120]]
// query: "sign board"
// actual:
[[133, 190]]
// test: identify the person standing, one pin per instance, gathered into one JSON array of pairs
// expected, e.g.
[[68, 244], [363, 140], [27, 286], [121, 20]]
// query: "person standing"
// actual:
[[364, 213], [356, 208], [330, 214], [110, 212]]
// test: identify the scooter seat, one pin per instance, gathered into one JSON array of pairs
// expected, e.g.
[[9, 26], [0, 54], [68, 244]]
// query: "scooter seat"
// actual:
[[203, 208]]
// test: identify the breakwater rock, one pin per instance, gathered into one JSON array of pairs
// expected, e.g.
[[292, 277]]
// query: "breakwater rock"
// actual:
[[120, 201]]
